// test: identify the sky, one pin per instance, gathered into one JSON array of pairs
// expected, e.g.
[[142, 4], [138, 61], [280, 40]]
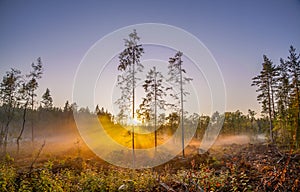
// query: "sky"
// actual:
[[237, 33]]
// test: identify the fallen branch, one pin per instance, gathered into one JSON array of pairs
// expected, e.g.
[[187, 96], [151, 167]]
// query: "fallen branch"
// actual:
[[167, 187], [37, 156], [196, 185]]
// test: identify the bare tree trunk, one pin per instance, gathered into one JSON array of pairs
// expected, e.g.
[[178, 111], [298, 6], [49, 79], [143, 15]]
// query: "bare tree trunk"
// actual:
[[274, 134], [23, 127], [270, 115], [6, 135], [133, 92], [297, 128], [5, 140], [155, 111], [6, 128], [182, 124], [2, 138], [32, 131]]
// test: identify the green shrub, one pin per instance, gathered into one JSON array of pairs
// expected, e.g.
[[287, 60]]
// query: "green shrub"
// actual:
[[44, 180], [91, 181], [7, 178]]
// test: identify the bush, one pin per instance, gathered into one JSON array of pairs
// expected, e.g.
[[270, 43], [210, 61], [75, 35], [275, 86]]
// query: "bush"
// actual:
[[7, 178]]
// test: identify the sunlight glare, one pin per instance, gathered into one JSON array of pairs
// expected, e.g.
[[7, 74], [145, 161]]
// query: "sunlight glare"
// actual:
[[133, 122]]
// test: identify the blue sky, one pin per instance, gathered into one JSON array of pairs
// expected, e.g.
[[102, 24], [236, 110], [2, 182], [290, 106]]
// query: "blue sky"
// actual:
[[237, 33]]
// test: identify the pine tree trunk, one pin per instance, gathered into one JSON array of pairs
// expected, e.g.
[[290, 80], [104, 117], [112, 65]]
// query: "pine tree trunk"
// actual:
[[182, 123], [270, 114], [298, 119], [133, 92], [155, 110], [32, 131]]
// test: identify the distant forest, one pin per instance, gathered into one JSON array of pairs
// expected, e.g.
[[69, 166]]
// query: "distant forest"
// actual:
[[23, 118]]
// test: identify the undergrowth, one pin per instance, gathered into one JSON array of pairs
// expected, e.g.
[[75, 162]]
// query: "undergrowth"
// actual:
[[248, 168], [64, 176]]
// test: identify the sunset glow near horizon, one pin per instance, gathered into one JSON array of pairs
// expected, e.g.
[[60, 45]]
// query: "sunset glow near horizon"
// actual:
[[61, 32]]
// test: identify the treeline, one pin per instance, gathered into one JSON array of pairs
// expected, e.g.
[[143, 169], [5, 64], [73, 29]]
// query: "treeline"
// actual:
[[24, 118], [54, 121], [234, 123], [278, 86]]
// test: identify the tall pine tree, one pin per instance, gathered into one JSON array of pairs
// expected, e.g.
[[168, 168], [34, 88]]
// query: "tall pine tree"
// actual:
[[130, 65], [177, 79], [266, 83], [47, 100], [154, 100], [293, 65], [32, 85]]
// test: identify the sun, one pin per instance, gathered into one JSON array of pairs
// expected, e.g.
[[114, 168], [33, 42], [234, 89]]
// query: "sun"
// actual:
[[134, 122]]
